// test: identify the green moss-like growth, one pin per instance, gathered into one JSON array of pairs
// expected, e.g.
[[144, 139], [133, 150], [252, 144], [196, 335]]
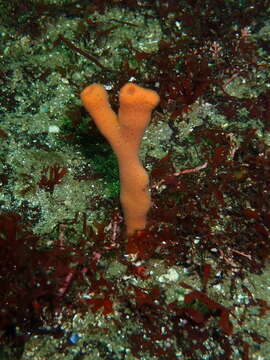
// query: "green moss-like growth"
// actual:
[[80, 131]]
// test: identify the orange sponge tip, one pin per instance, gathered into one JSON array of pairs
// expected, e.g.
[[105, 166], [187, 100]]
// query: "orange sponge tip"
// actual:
[[94, 96], [132, 94]]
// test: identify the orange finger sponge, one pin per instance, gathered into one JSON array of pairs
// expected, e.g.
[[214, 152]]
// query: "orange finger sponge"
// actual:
[[125, 132]]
